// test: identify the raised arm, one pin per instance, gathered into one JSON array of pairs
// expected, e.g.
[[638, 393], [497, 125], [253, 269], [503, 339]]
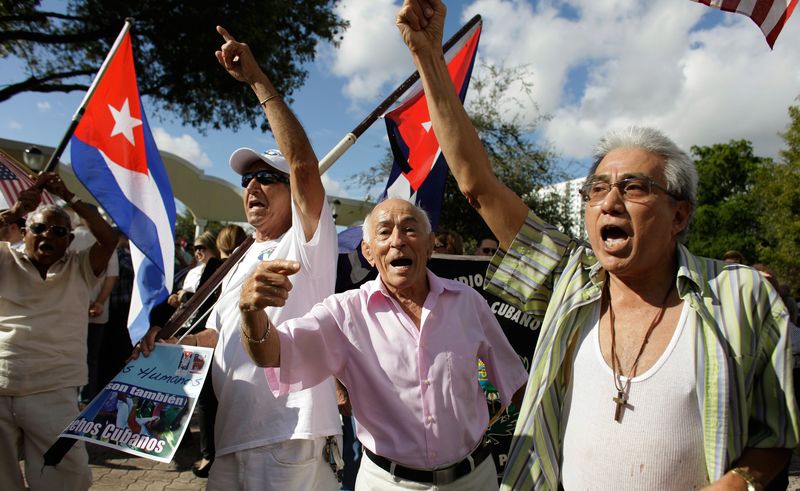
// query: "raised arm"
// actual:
[[105, 236], [306, 185], [421, 24], [269, 286]]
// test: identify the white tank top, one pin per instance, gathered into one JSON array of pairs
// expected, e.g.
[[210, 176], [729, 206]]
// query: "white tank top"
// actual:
[[658, 444]]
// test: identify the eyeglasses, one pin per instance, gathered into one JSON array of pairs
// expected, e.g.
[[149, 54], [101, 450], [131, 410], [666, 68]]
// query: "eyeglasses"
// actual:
[[488, 250], [199, 247], [634, 189], [39, 228], [264, 177]]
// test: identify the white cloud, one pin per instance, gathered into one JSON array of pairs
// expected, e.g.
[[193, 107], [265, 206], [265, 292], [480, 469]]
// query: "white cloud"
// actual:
[[646, 63], [334, 187], [184, 146], [43, 106], [607, 64], [371, 53], [14, 125]]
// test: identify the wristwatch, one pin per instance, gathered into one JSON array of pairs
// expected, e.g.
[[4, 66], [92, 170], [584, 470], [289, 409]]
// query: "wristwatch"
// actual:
[[752, 484]]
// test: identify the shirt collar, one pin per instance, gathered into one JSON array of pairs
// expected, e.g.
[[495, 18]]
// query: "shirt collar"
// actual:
[[690, 270], [437, 286]]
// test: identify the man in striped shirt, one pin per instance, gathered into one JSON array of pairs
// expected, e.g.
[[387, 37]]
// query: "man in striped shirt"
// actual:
[[655, 369]]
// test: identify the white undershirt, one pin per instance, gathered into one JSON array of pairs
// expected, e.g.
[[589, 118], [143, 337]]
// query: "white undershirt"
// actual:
[[659, 442]]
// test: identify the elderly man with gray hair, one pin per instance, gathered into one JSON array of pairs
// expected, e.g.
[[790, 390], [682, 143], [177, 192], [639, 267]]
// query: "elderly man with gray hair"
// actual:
[[44, 298], [677, 367], [406, 345]]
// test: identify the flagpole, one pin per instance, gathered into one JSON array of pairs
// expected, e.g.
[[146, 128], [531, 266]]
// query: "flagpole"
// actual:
[[351, 137], [76, 118]]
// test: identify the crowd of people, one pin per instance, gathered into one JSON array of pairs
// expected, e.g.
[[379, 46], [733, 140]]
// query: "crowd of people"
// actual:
[[654, 368]]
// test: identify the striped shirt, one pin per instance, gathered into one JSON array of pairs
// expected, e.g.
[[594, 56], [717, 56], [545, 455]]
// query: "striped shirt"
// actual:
[[743, 369]]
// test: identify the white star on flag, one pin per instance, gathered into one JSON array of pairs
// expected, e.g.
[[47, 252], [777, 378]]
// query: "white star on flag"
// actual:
[[123, 121], [427, 125]]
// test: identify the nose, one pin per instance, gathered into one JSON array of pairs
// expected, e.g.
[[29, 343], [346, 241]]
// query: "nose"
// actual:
[[613, 201], [397, 239], [253, 184]]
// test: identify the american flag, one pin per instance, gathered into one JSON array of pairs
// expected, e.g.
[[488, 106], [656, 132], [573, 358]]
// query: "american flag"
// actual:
[[12, 181], [769, 15]]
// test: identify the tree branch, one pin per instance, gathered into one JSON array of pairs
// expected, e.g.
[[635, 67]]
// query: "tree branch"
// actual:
[[34, 84], [44, 38], [39, 16]]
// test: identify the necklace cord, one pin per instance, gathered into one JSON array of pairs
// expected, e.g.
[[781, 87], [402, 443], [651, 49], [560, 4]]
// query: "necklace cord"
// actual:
[[616, 365]]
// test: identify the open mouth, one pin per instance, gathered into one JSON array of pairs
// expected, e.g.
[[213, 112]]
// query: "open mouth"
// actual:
[[402, 262], [613, 235], [254, 203]]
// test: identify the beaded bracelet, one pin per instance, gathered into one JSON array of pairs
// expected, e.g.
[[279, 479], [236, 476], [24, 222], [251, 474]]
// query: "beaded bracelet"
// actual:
[[256, 341]]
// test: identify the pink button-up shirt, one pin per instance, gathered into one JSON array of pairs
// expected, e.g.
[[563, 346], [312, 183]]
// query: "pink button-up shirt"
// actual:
[[415, 393]]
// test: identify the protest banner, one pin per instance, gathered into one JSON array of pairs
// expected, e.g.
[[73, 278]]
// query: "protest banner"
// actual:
[[146, 408]]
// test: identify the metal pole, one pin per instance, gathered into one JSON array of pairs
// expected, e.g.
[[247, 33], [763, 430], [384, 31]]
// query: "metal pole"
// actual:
[[351, 137]]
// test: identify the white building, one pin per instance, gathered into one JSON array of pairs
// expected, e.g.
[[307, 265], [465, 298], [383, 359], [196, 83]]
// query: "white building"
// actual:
[[569, 198]]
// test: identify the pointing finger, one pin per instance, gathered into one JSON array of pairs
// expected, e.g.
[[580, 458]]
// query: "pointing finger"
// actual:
[[282, 266], [225, 34]]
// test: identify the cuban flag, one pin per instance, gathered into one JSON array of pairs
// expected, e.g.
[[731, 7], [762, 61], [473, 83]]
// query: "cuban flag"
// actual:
[[115, 157], [420, 170]]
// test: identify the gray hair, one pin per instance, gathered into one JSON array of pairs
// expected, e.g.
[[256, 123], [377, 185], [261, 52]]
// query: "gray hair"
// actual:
[[679, 169], [422, 216], [55, 210]]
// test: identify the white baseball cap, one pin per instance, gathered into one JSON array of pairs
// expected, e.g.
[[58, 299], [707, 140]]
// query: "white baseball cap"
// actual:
[[243, 158]]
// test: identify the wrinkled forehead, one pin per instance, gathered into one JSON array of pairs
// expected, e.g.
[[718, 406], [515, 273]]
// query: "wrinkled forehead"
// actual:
[[395, 212], [51, 218], [631, 161], [256, 165]]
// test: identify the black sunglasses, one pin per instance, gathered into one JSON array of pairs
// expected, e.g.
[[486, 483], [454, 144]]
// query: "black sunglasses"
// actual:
[[264, 177], [199, 247], [39, 228]]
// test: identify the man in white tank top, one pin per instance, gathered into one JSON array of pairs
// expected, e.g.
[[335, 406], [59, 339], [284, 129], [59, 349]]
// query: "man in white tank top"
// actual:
[[654, 369]]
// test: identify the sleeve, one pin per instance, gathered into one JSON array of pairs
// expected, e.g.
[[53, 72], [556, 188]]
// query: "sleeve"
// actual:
[[773, 410], [113, 265], [322, 248], [523, 275], [313, 348], [503, 365], [85, 263]]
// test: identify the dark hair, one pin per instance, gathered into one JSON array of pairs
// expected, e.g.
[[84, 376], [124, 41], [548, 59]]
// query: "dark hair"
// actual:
[[452, 241], [229, 238], [209, 241]]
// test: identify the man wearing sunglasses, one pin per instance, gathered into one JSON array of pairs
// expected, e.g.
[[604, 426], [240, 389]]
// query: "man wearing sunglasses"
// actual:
[[677, 368], [44, 295], [266, 442]]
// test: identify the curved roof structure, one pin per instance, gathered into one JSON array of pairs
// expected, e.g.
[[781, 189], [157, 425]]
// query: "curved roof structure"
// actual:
[[207, 197]]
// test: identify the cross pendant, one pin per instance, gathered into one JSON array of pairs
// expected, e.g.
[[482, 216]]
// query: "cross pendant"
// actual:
[[620, 401]]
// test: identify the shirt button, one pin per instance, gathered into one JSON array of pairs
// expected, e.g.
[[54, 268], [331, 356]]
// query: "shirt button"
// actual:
[[430, 419], [426, 382]]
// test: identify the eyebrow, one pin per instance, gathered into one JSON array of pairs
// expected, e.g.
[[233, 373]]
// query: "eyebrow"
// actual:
[[627, 175], [403, 221]]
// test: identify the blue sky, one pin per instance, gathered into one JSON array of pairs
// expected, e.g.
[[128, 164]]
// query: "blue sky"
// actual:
[[701, 75]]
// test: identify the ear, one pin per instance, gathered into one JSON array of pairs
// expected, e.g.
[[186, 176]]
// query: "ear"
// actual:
[[431, 244], [365, 250], [681, 218]]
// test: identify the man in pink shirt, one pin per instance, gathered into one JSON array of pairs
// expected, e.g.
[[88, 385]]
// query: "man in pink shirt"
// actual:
[[406, 347]]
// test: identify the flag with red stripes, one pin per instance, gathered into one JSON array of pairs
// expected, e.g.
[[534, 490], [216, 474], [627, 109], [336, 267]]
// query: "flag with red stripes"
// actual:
[[419, 169], [769, 15], [12, 181]]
